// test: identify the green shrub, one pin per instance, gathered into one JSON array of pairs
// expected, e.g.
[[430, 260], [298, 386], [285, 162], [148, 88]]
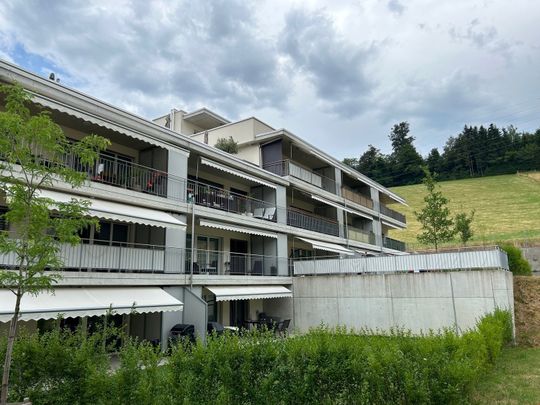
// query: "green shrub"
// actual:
[[228, 145], [519, 266], [323, 366]]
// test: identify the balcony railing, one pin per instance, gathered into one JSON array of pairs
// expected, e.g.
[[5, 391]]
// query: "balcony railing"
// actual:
[[356, 197], [393, 214], [213, 197], [212, 262], [289, 168], [360, 235], [141, 258], [311, 222], [394, 244]]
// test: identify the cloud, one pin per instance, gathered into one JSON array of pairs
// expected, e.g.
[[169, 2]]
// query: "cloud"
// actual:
[[481, 36], [333, 65], [395, 7], [207, 53]]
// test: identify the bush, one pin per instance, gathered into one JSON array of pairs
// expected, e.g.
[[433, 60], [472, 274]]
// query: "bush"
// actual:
[[519, 266], [227, 145], [323, 366]]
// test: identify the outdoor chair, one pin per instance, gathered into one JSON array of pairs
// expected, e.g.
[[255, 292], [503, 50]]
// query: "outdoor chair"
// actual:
[[269, 213], [283, 327]]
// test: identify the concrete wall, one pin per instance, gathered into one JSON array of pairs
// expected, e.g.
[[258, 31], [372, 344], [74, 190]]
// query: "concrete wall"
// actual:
[[532, 254], [416, 301]]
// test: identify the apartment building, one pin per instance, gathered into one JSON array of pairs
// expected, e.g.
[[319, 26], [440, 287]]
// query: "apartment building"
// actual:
[[189, 233]]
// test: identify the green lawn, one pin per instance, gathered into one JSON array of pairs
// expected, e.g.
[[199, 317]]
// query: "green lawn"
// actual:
[[515, 379], [507, 207]]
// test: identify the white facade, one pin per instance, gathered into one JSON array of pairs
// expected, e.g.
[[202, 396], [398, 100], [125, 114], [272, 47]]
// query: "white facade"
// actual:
[[243, 218]]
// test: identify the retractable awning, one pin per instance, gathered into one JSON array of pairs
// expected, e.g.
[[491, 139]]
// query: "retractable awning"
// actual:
[[120, 212], [235, 172], [235, 228], [328, 247], [341, 207], [227, 293], [391, 225], [74, 302]]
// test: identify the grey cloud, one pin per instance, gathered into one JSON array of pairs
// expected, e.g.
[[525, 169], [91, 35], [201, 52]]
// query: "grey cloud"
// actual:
[[483, 37], [335, 67], [395, 7], [449, 101], [204, 52]]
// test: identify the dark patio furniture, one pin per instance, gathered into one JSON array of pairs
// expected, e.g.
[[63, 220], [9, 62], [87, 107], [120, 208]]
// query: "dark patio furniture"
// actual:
[[283, 327]]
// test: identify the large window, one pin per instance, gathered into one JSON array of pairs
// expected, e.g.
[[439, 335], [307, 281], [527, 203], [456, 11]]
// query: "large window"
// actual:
[[109, 233], [207, 255]]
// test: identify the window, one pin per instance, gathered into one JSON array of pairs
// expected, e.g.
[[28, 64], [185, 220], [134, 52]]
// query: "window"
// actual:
[[4, 226], [110, 233], [207, 256]]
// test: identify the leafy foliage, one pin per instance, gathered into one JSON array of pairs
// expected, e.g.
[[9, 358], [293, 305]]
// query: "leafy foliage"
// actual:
[[227, 145], [437, 225], [32, 152], [323, 366], [475, 151], [519, 266], [463, 226]]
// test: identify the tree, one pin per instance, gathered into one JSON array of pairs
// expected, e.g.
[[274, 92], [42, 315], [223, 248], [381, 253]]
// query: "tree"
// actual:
[[434, 161], [405, 161], [227, 145], [373, 164], [33, 150], [437, 225], [463, 227]]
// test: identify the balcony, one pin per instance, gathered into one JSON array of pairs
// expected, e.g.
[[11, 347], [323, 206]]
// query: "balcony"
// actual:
[[213, 197], [126, 174], [288, 168], [354, 196], [361, 235], [311, 222], [393, 214], [394, 244], [212, 262], [141, 258]]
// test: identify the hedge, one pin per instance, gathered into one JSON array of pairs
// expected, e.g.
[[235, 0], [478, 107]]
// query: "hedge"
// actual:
[[519, 266], [323, 366]]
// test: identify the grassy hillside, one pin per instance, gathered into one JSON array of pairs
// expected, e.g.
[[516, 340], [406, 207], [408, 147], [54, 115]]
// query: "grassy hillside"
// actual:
[[507, 207]]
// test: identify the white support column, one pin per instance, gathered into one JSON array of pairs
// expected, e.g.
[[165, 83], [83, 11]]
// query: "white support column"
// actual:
[[377, 227], [337, 176], [175, 253], [282, 254], [177, 169], [281, 204]]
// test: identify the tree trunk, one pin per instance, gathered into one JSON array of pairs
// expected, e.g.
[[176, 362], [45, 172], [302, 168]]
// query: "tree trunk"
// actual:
[[9, 350]]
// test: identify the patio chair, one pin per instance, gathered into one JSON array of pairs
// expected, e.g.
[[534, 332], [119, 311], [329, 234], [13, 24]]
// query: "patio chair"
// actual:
[[269, 213], [283, 327], [258, 212]]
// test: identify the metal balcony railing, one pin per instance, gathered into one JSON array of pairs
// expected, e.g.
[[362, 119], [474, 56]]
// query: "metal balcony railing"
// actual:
[[392, 214], [213, 197], [361, 235], [311, 222], [356, 197], [487, 259], [288, 168], [101, 256], [394, 244]]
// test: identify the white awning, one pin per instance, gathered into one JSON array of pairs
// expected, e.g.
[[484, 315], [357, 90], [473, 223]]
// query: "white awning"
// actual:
[[255, 292], [238, 173], [74, 302], [329, 247], [341, 207], [235, 228], [94, 119], [120, 212]]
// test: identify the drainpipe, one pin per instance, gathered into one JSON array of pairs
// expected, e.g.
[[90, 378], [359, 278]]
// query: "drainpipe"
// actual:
[[193, 230]]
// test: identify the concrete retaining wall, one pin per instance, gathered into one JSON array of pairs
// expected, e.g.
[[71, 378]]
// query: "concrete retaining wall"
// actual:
[[414, 301], [532, 254]]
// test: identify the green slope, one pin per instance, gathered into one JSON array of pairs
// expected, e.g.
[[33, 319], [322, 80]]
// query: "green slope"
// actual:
[[507, 207]]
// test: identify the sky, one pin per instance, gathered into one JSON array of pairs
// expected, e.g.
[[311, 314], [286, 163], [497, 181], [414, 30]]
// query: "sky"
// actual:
[[339, 74]]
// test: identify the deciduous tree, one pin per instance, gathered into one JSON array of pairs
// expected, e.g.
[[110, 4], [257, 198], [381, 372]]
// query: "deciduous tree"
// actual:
[[435, 219], [33, 150]]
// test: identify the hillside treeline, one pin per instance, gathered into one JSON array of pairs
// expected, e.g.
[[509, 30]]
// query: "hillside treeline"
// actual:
[[475, 151]]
